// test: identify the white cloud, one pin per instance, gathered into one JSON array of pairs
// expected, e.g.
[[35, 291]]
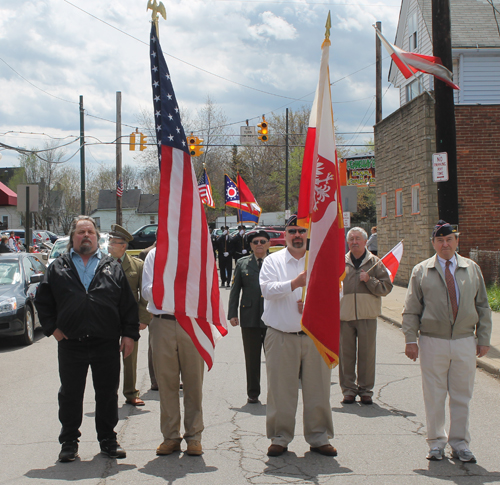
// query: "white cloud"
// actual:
[[273, 26]]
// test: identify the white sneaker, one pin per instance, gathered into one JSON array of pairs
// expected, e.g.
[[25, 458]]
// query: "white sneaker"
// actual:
[[464, 455], [435, 454]]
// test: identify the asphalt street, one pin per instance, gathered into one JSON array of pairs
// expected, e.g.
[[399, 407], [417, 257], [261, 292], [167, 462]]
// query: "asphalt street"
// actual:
[[379, 444]]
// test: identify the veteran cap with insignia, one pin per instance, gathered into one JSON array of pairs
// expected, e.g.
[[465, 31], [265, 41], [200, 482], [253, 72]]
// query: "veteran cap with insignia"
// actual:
[[443, 228], [120, 232], [292, 220]]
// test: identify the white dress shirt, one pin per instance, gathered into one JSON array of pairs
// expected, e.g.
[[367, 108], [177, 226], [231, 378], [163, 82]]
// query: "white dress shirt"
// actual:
[[280, 303], [147, 283]]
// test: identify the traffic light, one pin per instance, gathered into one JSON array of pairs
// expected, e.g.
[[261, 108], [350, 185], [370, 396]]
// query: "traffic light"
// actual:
[[131, 145], [143, 142], [194, 145], [263, 130]]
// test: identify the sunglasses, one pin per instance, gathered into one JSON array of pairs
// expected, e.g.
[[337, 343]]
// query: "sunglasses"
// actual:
[[294, 231], [260, 241]]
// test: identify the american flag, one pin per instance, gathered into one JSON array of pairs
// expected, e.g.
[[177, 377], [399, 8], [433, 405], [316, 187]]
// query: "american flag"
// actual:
[[119, 188], [185, 281], [205, 189]]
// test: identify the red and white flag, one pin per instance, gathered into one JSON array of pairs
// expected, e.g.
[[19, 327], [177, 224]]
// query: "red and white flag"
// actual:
[[320, 209], [392, 259], [185, 281], [410, 62]]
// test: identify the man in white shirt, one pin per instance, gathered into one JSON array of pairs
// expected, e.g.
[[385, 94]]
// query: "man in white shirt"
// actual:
[[447, 308], [291, 356], [174, 354]]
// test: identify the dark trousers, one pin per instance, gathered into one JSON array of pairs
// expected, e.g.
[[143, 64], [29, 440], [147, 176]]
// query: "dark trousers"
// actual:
[[75, 357], [253, 342], [226, 269]]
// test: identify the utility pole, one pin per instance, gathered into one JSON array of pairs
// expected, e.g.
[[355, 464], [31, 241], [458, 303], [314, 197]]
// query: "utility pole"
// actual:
[[286, 164], [82, 159], [118, 154], [378, 75], [446, 137]]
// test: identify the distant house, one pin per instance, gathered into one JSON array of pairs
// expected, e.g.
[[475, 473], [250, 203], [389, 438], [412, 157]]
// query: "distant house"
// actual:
[[405, 140], [137, 209], [9, 217]]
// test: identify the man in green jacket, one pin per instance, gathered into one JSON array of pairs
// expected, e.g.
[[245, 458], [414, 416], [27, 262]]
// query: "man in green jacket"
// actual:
[[253, 329], [132, 267], [447, 311], [364, 285]]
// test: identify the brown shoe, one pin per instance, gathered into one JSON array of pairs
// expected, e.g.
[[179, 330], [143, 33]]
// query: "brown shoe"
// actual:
[[168, 447], [194, 448], [135, 401], [366, 400], [327, 450], [276, 450], [349, 399]]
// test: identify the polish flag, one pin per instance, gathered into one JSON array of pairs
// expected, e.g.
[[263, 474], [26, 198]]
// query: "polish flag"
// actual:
[[392, 259], [410, 62]]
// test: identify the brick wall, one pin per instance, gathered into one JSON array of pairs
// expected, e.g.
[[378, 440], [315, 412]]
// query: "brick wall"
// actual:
[[478, 167], [404, 144]]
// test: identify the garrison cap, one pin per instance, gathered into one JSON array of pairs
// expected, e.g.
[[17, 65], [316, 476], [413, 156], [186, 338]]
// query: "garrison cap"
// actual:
[[442, 228], [120, 232], [292, 220]]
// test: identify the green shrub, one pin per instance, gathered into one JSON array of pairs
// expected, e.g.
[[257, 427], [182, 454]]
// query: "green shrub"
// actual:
[[494, 297]]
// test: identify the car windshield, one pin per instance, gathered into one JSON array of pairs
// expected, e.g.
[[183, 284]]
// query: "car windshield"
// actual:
[[58, 248], [10, 273]]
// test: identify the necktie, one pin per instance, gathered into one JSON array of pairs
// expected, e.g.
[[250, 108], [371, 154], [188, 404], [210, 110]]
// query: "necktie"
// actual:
[[119, 260], [259, 262], [450, 283]]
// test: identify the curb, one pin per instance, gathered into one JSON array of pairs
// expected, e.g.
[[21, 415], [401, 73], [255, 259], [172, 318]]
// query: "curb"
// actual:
[[486, 366]]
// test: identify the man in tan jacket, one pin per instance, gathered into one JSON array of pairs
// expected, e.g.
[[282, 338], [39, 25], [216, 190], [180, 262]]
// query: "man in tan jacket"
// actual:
[[364, 285], [447, 310]]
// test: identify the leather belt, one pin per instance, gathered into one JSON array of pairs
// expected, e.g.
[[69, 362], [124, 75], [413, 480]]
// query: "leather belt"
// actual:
[[297, 333], [165, 316]]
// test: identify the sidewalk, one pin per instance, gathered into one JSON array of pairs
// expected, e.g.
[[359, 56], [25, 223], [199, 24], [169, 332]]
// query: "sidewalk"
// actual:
[[392, 306]]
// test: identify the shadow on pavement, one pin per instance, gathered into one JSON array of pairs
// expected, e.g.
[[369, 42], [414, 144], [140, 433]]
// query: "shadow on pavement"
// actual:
[[258, 409], [454, 470], [308, 467], [176, 466], [9, 344], [98, 467], [371, 411]]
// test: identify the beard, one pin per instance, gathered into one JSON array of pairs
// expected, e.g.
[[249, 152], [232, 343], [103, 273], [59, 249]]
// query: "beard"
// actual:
[[86, 248], [298, 243]]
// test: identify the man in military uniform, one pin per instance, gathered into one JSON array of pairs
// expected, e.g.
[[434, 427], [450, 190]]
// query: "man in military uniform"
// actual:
[[253, 329], [240, 243], [225, 250], [118, 243]]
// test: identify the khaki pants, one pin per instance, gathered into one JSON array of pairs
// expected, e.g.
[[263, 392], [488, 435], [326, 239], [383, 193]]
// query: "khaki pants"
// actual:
[[287, 356], [175, 355], [358, 340], [130, 374], [448, 368]]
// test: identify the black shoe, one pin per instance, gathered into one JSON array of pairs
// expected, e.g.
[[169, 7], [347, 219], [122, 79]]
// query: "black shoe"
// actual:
[[253, 400], [112, 449], [69, 451]]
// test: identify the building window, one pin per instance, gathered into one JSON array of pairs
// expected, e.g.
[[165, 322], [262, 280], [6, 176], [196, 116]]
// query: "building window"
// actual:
[[413, 32], [97, 222], [415, 199], [399, 202], [152, 220], [413, 90], [5, 222], [383, 205]]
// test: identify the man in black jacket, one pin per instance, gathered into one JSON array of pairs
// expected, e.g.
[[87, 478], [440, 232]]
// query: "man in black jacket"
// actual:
[[225, 250], [86, 303]]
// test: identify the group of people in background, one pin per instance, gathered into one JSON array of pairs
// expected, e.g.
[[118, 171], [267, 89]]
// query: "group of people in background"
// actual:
[[11, 244], [95, 306]]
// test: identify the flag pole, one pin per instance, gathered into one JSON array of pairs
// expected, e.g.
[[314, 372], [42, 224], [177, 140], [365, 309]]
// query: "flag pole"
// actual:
[[380, 259]]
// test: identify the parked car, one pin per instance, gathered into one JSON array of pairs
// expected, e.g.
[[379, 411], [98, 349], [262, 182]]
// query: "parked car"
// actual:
[[61, 246], [53, 237], [20, 274], [17, 232], [144, 237]]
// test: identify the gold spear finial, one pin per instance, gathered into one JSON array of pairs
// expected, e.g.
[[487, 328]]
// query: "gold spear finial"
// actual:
[[328, 26], [157, 9]]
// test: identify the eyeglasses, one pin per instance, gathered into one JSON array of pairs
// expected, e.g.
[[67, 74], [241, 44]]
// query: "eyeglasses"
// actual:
[[294, 231], [260, 241]]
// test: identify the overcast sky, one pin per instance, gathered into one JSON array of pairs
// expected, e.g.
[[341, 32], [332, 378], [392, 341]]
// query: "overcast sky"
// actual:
[[250, 57]]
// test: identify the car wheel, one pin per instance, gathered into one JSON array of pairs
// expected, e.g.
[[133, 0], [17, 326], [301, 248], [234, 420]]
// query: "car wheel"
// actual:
[[29, 327]]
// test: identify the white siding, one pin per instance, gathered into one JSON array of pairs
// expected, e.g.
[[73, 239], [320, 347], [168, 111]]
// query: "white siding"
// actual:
[[480, 79], [131, 220]]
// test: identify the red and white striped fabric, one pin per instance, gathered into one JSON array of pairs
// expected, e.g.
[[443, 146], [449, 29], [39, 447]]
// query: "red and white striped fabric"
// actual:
[[320, 208], [410, 62], [185, 279], [392, 259]]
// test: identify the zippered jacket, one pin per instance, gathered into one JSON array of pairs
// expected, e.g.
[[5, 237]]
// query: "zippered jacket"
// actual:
[[107, 309], [362, 301]]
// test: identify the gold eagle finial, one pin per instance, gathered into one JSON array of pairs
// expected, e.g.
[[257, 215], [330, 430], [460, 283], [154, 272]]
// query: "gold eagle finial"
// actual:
[[157, 9]]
